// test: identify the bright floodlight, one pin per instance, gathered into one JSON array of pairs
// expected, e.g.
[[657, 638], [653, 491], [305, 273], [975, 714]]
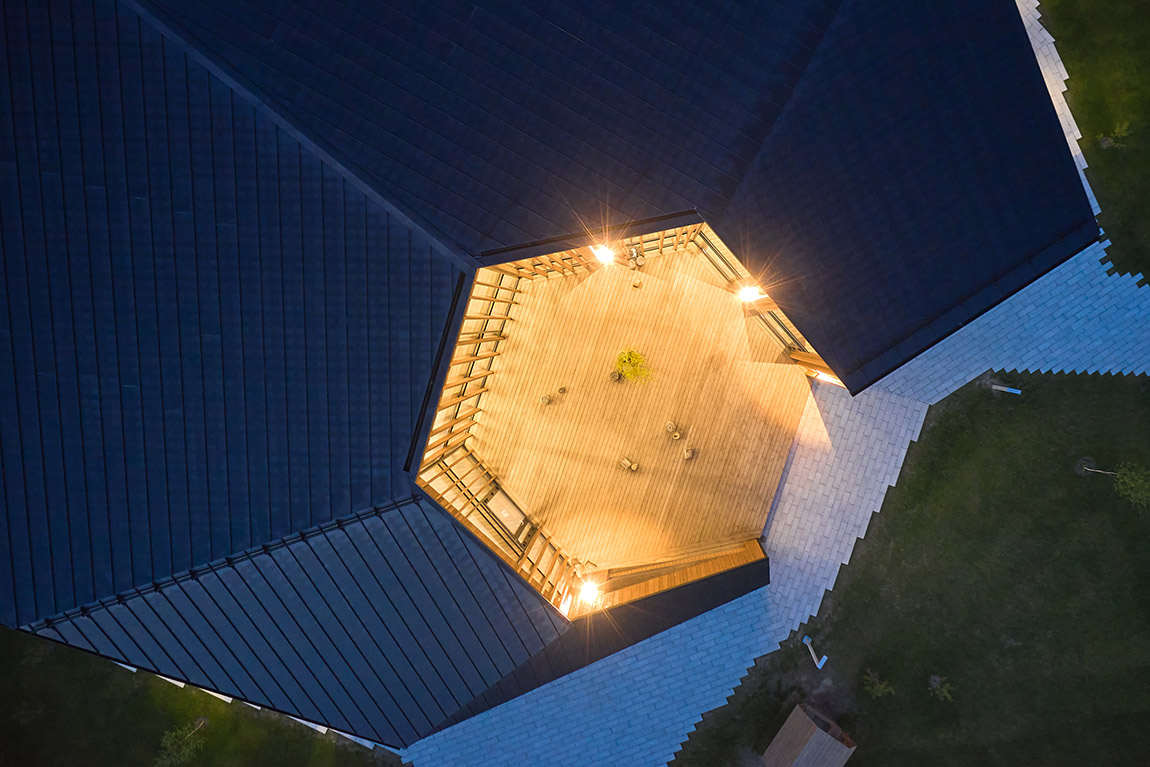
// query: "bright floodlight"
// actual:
[[827, 377], [750, 293], [589, 592], [603, 253]]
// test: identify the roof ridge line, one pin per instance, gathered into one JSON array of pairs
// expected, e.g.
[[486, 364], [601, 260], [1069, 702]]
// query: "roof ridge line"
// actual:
[[245, 89], [720, 215], [219, 563]]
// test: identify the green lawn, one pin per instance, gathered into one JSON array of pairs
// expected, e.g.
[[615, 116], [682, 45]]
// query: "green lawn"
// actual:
[[995, 565], [60, 706], [1105, 45]]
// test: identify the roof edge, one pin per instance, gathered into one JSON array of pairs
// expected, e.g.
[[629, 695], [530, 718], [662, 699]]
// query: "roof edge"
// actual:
[[440, 367], [599, 635], [1041, 264], [580, 239], [150, 670]]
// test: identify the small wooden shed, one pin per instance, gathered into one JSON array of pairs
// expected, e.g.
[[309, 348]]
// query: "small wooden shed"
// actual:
[[808, 739]]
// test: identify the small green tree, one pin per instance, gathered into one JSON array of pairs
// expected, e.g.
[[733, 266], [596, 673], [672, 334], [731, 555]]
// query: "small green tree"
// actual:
[[632, 365], [875, 686], [1132, 482], [1115, 139], [179, 745], [940, 688]]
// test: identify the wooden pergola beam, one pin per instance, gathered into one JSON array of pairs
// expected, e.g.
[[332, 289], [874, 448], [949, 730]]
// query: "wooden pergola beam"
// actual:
[[530, 266], [493, 300], [555, 558], [477, 465], [503, 317], [485, 486], [693, 232], [461, 398], [448, 437], [446, 467], [548, 264], [481, 340], [447, 448], [474, 358], [561, 585], [498, 287], [461, 381], [448, 424], [531, 539]]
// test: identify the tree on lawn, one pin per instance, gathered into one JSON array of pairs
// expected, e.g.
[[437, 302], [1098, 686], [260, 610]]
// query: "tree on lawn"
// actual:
[[1131, 481], [178, 746]]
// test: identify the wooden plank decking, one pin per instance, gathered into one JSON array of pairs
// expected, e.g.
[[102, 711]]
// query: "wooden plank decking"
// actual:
[[734, 394]]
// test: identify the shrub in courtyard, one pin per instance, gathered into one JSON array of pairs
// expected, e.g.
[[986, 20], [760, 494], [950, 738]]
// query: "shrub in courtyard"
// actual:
[[632, 365]]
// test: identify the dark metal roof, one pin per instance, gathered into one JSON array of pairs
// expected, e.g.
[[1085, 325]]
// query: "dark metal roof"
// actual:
[[918, 176], [892, 169], [499, 123], [381, 626], [210, 339]]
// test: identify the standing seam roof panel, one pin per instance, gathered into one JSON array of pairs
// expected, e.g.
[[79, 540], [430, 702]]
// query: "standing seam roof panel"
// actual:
[[651, 141], [285, 626], [206, 324]]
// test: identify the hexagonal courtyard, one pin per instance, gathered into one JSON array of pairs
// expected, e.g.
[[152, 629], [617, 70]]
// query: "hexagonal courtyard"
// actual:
[[604, 483]]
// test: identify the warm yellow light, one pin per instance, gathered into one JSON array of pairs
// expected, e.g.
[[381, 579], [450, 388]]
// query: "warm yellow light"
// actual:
[[750, 293], [827, 377], [603, 253], [589, 593]]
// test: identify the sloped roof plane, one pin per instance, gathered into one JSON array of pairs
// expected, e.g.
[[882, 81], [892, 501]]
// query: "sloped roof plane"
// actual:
[[918, 177], [890, 170], [342, 625], [212, 340]]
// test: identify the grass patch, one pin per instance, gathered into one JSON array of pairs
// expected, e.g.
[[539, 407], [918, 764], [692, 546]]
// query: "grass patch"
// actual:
[[1105, 45], [60, 706], [995, 566]]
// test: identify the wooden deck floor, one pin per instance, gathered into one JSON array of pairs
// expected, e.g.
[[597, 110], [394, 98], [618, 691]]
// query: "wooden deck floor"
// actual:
[[715, 373]]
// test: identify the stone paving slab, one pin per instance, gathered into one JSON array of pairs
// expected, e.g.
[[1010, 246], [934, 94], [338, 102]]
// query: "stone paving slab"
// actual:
[[846, 453]]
